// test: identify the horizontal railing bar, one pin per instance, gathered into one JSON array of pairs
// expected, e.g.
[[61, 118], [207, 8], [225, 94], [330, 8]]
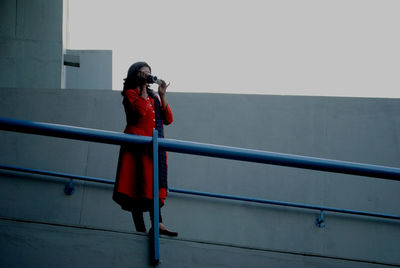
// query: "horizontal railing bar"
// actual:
[[210, 150], [287, 204], [70, 132], [214, 195], [280, 159], [56, 174]]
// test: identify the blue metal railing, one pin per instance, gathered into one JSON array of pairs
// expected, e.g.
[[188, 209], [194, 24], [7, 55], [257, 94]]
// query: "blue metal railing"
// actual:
[[206, 194], [109, 137], [155, 254]]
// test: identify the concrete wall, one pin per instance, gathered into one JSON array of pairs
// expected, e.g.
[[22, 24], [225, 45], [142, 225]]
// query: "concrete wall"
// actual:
[[94, 72], [33, 41], [351, 129], [31, 44]]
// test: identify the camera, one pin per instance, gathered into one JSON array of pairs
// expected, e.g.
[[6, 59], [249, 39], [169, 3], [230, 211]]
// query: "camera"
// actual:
[[150, 79]]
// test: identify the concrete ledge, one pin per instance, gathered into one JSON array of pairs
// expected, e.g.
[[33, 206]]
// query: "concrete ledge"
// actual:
[[35, 244]]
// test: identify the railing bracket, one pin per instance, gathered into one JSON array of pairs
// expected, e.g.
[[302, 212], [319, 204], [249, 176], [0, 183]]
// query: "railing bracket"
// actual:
[[69, 189], [320, 221]]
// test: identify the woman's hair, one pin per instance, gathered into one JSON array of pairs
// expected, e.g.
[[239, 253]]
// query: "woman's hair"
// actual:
[[131, 81]]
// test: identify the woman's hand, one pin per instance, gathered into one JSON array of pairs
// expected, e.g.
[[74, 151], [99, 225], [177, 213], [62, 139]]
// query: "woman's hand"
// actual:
[[162, 89]]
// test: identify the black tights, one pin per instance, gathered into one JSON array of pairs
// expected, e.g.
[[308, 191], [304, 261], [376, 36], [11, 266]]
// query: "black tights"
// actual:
[[137, 216]]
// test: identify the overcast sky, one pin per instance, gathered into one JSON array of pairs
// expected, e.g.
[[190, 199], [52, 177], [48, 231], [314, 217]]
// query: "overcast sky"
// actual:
[[296, 47]]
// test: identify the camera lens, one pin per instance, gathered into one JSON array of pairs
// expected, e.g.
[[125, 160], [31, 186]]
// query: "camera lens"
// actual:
[[151, 79]]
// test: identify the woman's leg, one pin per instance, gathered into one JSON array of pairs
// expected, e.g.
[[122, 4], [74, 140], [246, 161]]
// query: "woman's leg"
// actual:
[[152, 215], [139, 221], [162, 228]]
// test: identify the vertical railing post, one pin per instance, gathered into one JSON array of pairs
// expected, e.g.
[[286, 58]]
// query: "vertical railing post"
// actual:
[[155, 256]]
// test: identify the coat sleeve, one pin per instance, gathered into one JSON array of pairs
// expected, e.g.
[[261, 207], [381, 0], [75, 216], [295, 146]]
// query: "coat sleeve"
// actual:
[[167, 115], [137, 102]]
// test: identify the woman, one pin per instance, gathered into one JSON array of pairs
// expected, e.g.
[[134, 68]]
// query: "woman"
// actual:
[[145, 111]]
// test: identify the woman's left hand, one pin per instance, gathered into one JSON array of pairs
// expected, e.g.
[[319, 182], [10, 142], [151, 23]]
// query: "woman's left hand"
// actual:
[[162, 89]]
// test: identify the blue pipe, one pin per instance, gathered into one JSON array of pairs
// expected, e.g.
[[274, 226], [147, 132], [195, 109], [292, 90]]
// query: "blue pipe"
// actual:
[[156, 239], [222, 196], [56, 174], [70, 132], [286, 204], [280, 159], [211, 150]]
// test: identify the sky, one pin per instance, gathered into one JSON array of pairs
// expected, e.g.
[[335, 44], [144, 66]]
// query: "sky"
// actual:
[[282, 47]]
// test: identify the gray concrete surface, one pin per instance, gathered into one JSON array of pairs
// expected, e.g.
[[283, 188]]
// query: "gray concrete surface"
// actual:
[[94, 72], [31, 43], [70, 246], [351, 129]]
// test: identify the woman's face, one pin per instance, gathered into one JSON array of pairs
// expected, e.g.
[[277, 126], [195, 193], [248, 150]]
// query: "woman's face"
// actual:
[[144, 72]]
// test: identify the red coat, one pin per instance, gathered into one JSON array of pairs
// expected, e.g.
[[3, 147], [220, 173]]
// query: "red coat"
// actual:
[[134, 180]]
